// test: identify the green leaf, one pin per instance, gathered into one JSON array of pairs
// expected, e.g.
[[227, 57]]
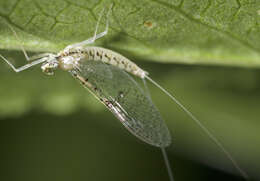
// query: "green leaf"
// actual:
[[185, 31]]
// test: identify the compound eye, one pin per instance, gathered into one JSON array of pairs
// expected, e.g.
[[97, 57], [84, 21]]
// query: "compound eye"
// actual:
[[48, 71], [49, 67]]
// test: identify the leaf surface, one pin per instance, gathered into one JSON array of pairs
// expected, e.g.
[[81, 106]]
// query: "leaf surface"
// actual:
[[185, 31]]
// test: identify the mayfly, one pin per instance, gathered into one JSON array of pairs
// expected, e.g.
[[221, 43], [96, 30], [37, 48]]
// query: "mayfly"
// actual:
[[105, 74]]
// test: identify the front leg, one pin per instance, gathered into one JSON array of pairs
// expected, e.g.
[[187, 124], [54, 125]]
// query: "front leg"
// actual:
[[24, 67], [95, 36]]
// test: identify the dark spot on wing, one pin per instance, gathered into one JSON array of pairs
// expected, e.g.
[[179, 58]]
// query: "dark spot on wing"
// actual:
[[74, 73], [82, 82]]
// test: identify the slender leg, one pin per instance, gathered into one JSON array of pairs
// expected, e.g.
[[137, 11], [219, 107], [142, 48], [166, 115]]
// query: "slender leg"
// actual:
[[15, 34], [24, 52], [95, 36], [38, 56], [25, 66]]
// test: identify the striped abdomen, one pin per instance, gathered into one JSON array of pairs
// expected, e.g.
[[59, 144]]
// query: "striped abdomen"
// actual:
[[113, 58]]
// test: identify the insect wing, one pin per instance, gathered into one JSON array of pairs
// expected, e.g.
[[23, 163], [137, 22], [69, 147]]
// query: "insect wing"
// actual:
[[122, 95]]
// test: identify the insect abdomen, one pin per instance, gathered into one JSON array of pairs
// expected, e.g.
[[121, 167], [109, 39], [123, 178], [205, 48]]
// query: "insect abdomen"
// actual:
[[113, 58]]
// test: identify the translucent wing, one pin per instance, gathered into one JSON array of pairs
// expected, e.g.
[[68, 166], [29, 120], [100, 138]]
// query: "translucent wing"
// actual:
[[121, 94]]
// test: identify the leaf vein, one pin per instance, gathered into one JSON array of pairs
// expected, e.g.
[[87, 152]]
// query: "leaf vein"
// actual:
[[218, 30], [206, 8], [14, 7], [237, 9]]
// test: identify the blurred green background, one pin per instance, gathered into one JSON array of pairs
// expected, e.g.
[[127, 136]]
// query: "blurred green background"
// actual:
[[54, 129]]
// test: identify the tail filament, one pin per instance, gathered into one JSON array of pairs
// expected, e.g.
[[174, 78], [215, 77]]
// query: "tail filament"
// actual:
[[211, 136]]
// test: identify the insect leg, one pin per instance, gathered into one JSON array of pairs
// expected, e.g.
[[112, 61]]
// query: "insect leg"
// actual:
[[38, 56], [24, 67], [21, 46], [107, 24], [95, 36]]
